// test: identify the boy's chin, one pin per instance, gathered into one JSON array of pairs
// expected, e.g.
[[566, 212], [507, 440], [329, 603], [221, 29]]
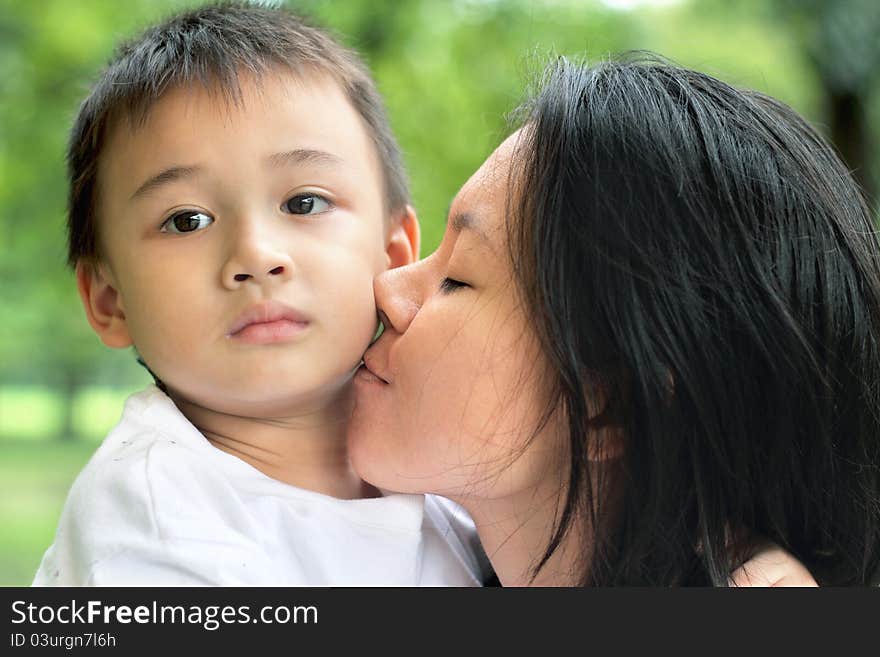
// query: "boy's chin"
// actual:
[[270, 398]]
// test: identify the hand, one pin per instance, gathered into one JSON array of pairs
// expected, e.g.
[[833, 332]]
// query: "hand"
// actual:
[[770, 565]]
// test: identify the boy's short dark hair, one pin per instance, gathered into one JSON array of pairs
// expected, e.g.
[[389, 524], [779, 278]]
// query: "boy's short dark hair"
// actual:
[[212, 45]]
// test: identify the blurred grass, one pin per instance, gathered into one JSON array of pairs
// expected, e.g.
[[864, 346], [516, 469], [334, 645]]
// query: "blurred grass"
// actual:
[[34, 479], [37, 467]]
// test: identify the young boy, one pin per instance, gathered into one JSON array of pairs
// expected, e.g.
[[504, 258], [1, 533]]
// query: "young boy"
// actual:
[[235, 187]]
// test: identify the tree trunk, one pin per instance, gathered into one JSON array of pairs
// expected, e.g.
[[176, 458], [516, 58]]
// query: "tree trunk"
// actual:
[[69, 389], [851, 135]]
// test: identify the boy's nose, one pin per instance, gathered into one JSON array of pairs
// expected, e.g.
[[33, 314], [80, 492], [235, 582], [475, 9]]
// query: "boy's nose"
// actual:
[[399, 295], [258, 264], [275, 271]]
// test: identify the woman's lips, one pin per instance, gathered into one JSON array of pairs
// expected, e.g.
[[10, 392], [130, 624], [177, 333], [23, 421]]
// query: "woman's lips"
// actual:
[[267, 322], [364, 374], [376, 359]]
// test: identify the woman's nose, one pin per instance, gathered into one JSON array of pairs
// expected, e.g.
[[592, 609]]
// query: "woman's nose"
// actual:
[[256, 259], [399, 295]]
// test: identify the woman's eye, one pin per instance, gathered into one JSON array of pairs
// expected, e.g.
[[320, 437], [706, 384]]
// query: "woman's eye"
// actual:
[[450, 285], [188, 221], [306, 204]]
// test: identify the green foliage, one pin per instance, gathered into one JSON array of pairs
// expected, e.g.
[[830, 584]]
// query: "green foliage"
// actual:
[[840, 37]]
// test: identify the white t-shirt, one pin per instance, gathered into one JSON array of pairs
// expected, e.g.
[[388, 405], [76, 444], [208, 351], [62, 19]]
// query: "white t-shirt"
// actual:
[[158, 505]]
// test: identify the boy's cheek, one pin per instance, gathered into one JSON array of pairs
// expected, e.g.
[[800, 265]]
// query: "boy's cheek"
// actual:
[[366, 248], [356, 322]]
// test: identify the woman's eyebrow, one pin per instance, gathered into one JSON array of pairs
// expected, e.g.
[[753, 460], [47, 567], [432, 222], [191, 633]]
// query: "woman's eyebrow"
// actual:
[[466, 221]]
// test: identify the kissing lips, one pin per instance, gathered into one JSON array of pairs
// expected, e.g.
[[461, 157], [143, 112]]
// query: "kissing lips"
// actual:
[[367, 374], [364, 374]]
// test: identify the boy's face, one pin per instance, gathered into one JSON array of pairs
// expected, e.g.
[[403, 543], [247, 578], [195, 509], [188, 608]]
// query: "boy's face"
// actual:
[[240, 243]]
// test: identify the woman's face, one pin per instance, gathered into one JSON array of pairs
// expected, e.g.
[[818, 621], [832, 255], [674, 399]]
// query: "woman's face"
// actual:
[[451, 394]]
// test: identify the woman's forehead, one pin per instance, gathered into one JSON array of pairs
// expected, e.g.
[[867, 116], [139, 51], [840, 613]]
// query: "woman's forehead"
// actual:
[[485, 196], [496, 168]]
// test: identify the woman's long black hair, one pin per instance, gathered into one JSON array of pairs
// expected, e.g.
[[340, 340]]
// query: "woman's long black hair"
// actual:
[[699, 260]]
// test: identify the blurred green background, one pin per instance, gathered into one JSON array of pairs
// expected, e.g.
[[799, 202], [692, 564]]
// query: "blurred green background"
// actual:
[[449, 71]]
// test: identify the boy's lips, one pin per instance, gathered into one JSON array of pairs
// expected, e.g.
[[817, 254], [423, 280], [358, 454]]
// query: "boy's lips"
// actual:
[[268, 321]]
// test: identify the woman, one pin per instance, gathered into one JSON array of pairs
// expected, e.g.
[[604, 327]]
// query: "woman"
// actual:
[[648, 337]]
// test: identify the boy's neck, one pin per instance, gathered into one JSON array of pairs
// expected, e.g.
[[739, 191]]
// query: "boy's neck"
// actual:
[[304, 447]]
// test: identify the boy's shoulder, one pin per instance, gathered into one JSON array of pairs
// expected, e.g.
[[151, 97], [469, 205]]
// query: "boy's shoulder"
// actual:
[[143, 441], [152, 490], [153, 466], [114, 489]]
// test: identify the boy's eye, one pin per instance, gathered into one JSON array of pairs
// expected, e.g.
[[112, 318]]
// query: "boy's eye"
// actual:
[[305, 204], [450, 285], [187, 221]]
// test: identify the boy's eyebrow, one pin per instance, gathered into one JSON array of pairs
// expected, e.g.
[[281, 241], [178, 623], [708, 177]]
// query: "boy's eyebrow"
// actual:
[[163, 178], [295, 156], [303, 155]]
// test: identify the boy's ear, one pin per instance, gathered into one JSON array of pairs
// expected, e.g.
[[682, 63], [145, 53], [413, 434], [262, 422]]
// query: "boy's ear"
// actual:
[[102, 304], [404, 240]]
